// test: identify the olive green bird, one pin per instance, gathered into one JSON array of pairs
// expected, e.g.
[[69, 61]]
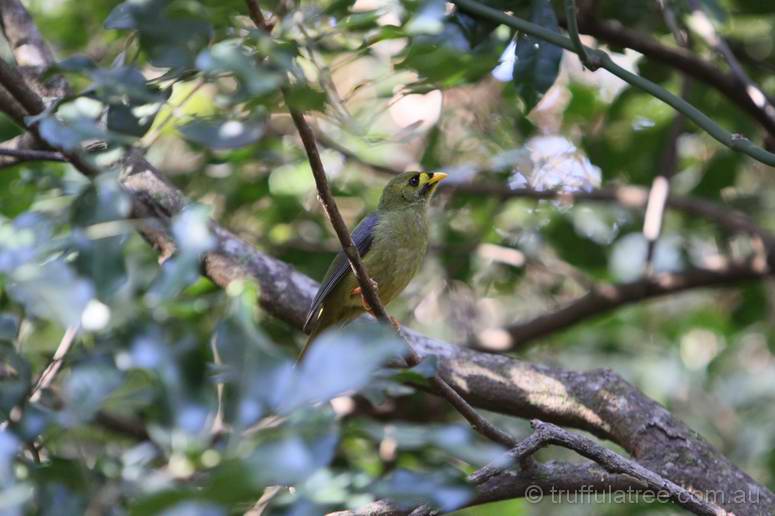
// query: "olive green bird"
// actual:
[[392, 241]]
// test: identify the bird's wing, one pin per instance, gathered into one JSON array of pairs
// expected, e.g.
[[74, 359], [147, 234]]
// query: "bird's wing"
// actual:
[[362, 237]]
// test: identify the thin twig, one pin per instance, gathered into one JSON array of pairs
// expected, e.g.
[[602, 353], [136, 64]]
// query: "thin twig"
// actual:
[[703, 25], [545, 434], [660, 186], [573, 32], [48, 374], [32, 155], [735, 142]]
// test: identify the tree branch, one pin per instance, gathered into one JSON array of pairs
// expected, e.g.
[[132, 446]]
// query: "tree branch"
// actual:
[[610, 473], [735, 142], [51, 370], [573, 33], [545, 434], [605, 298]]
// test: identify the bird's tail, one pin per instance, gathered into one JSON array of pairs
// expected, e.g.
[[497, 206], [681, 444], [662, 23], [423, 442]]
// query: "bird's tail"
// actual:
[[312, 336]]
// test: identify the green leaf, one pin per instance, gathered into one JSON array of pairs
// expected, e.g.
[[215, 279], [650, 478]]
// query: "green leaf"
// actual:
[[538, 62], [122, 119], [341, 360], [9, 326], [232, 57], [719, 173], [86, 389], [421, 373], [120, 18], [13, 387], [58, 134], [101, 258], [446, 65], [224, 134], [410, 489]]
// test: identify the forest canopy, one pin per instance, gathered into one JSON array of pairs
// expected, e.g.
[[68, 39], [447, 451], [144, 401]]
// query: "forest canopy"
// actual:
[[589, 332]]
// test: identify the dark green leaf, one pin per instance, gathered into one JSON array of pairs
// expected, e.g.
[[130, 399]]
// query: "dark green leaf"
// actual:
[[410, 489], [538, 62], [122, 119]]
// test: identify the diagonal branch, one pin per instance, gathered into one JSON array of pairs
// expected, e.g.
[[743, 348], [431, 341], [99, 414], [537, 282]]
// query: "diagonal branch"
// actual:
[[370, 293], [701, 22], [51, 370], [545, 434], [609, 473]]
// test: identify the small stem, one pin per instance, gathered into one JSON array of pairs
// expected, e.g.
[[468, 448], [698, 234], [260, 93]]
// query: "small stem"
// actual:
[[573, 32], [32, 155], [48, 374]]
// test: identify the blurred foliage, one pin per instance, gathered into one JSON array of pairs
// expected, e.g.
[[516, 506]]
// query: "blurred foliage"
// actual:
[[209, 377]]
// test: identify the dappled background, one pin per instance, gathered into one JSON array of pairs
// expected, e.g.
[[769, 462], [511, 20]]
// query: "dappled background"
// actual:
[[390, 86]]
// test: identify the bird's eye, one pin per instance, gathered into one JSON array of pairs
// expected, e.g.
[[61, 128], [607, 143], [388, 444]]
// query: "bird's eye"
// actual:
[[415, 180]]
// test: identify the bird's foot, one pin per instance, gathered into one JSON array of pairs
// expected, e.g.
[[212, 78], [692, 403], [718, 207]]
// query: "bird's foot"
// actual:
[[357, 291]]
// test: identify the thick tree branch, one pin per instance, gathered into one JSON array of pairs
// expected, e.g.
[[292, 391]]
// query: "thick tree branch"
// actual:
[[552, 480]]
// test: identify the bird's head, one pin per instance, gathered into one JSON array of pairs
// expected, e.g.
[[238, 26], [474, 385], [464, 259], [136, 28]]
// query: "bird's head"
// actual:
[[410, 189]]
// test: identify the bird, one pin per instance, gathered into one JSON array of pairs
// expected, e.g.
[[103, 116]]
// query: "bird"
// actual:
[[392, 242]]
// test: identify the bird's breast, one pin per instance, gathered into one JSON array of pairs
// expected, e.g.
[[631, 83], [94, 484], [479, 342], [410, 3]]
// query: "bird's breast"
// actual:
[[397, 252]]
